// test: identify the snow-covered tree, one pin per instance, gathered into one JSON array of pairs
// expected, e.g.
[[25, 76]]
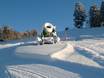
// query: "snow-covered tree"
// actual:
[[94, 16], [79, 15], [102, 12]]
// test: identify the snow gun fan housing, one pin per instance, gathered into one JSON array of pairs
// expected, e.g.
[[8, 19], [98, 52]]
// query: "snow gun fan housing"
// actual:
[[49, 30]]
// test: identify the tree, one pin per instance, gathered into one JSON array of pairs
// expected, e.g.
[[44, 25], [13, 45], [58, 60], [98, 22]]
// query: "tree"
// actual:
[[6, 32], [98, 18], [79, 14], [102, 13], [1, 37], [94, 16], [33, 33]]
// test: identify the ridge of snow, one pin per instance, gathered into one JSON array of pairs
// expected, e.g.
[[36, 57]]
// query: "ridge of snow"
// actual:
[[69, 54], [62, 53], [10, 45]]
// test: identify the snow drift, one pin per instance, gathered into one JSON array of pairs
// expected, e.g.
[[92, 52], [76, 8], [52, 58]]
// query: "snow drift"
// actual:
[[87, 33], [61, 54]]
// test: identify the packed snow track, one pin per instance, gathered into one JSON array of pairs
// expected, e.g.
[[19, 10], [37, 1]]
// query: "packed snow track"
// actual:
[[70, 59]]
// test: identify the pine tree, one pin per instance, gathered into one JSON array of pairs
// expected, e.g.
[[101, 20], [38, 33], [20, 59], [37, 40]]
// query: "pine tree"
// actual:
[[102, 13], [79, 14], [98, 18], [94, 16]]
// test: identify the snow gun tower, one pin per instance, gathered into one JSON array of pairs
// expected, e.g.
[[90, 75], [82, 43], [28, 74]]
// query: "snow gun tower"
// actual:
[[48, 34]]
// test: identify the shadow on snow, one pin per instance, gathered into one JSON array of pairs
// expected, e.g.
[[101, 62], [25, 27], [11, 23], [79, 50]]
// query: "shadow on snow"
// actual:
[[8, 57]]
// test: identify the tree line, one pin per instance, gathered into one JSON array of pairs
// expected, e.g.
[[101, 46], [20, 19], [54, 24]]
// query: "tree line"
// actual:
[[93, 18], [8, 33]]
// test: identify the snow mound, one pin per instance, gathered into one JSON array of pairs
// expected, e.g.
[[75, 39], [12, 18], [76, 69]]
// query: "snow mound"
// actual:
[[69, 53], [39, 51], [63, 53]]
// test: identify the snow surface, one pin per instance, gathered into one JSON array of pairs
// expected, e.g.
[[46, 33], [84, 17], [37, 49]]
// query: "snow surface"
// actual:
[[83, 58]]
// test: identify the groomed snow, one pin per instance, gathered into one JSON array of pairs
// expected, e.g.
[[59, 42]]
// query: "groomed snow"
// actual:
[[40, 71], [60, 60], [68, 59]]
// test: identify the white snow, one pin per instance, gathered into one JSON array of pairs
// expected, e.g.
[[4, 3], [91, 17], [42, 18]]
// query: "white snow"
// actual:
[[83, 58], [40, 71], [62, 54], [10, 45]]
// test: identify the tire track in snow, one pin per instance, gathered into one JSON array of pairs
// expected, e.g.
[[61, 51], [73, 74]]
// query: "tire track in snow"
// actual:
[[24, 73]]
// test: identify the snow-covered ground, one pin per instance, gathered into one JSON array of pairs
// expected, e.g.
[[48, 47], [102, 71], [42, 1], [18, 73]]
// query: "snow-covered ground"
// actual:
[[83, 58]]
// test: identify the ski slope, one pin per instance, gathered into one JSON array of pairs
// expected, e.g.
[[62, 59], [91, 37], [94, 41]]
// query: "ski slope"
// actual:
[[83, 58]]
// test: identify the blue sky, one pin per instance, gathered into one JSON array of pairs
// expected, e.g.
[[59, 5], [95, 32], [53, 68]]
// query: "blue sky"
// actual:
[[29, 14]]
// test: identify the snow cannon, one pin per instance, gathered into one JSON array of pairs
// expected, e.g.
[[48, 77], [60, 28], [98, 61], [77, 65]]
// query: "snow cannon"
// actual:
[[48, 34]]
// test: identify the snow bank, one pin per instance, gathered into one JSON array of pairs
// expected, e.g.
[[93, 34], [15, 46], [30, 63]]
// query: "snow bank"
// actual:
[[61, 51], [86, 33], [10, 45], [39, 51], [70, 54], [7, 45]]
